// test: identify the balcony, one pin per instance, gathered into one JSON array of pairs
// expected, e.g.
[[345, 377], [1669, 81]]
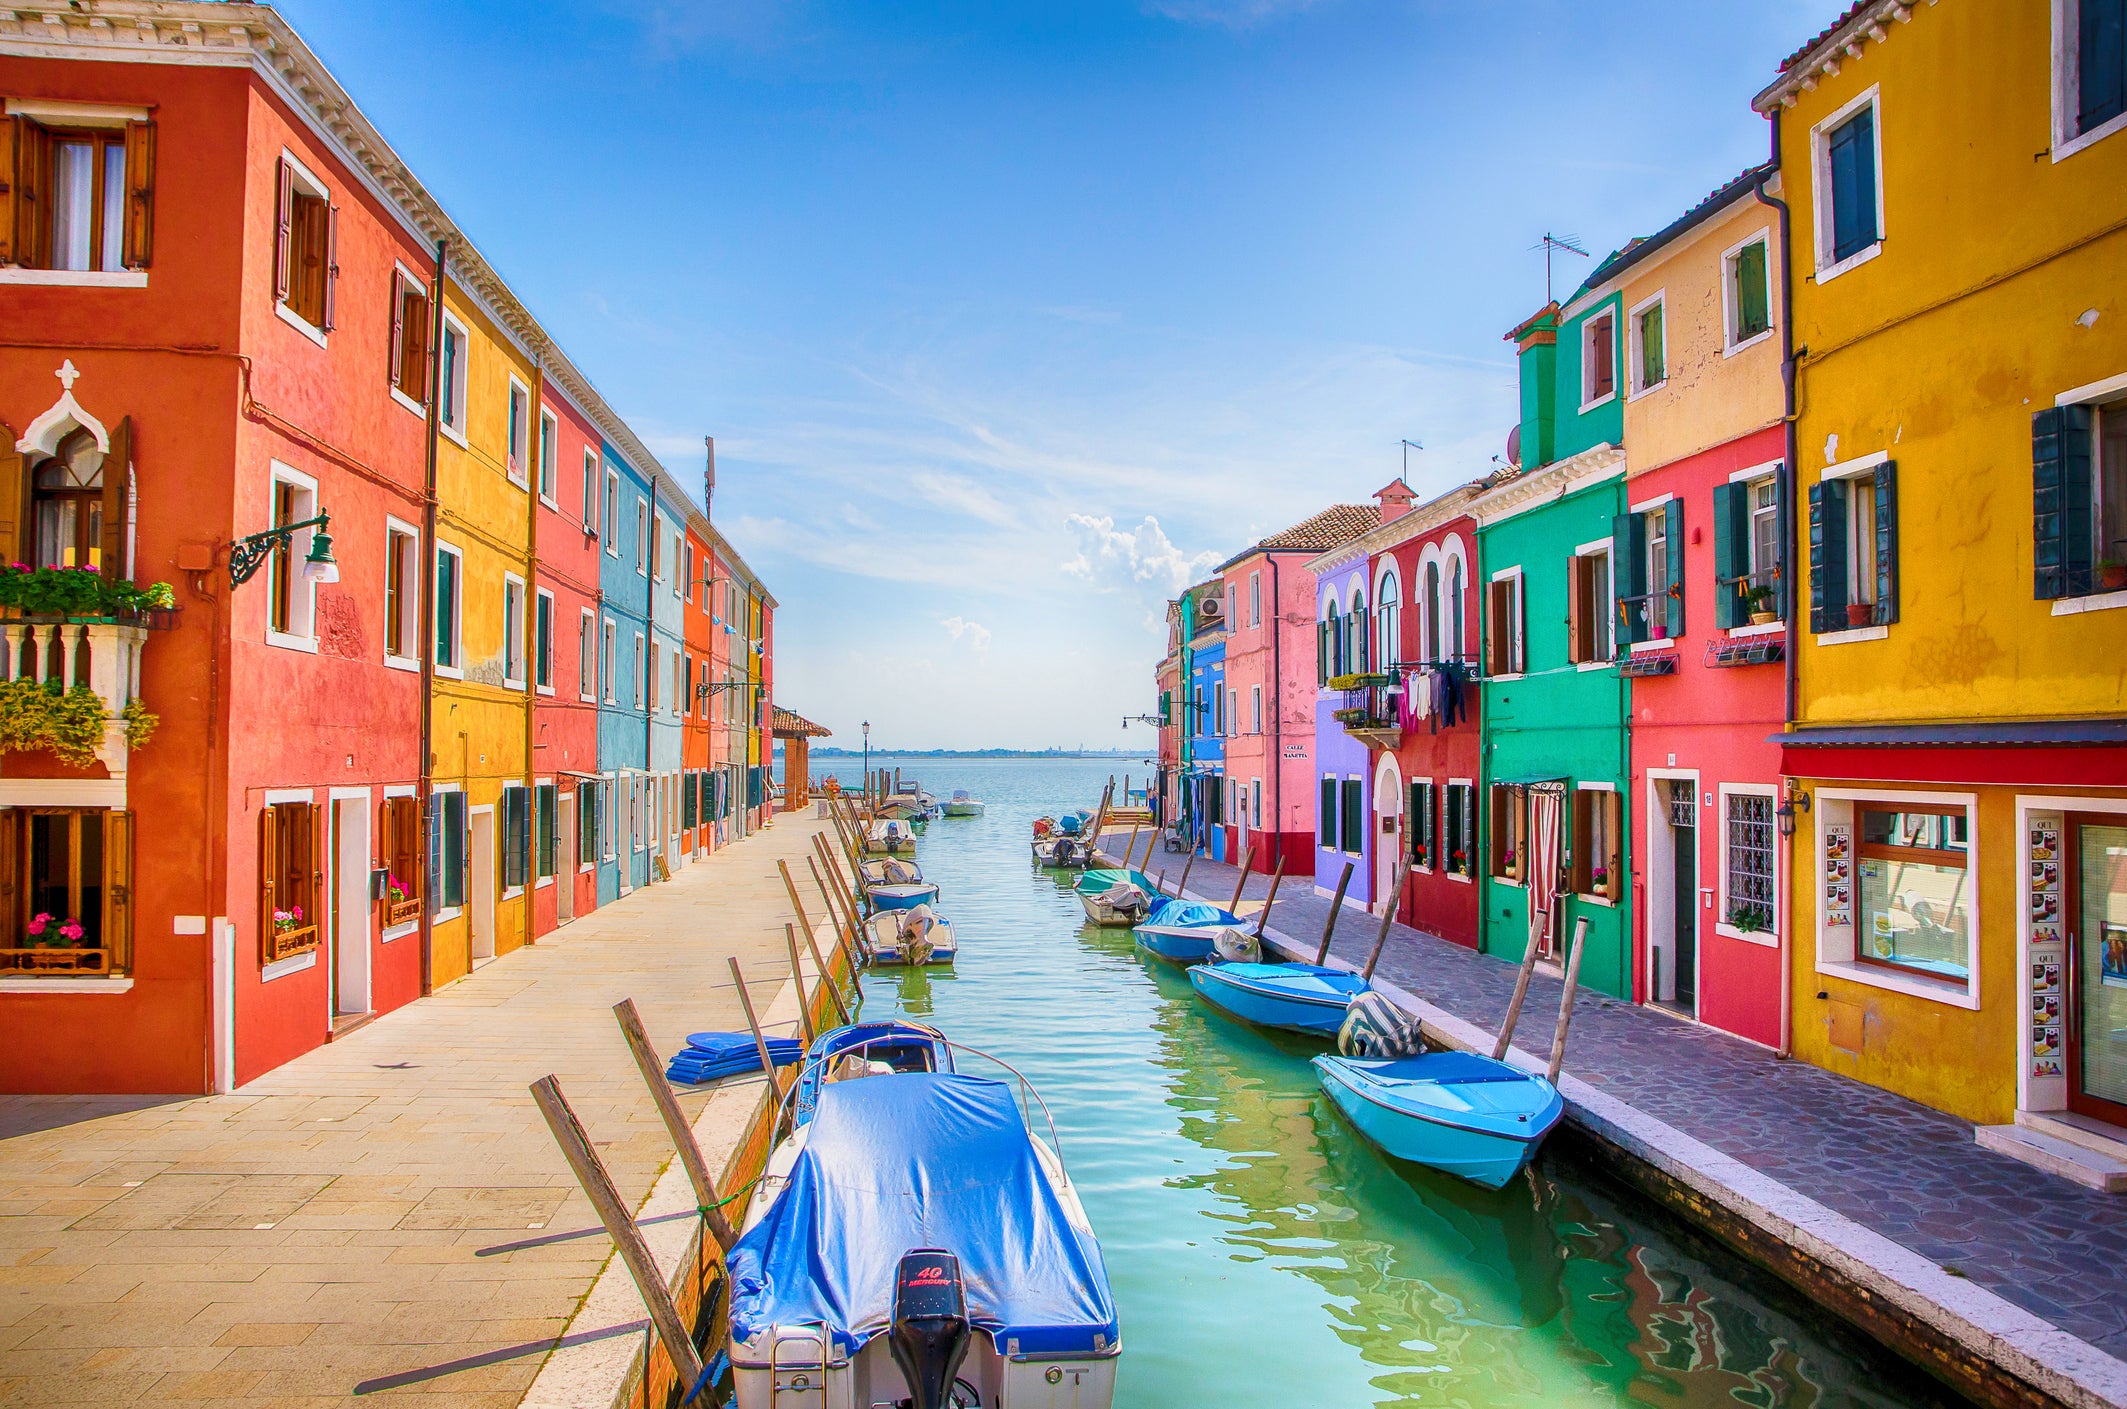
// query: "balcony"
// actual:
[[47, 665], [1369, 712]]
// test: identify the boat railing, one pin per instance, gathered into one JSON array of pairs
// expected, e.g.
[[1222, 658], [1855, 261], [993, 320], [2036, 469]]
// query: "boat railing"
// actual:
[[1027, 1089]]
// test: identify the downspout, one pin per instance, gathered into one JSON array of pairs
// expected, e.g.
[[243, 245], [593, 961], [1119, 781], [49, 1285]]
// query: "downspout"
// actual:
[[427, 627], [1788, 596]]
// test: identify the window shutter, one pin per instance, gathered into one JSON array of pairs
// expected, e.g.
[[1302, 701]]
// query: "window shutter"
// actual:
[[140, 195], [29, 230], [2060, 501], [1673, 605], [435, 852], [1628, 574], [10, 143], [117, 888], [1752, 315], [398, 329], [1731, 552], [2101, 87], [1886, 542], [284, 220], [1576, 608], [269, 864], [332, 264], [1827, 556], [1783, 490], [117, 487], [1326, 819], [14, 504]]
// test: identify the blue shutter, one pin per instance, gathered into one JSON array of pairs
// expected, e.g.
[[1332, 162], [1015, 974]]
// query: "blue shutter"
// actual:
[[1731, 553], [1853, 163], [2101, 62], [1886, 488], [1673, 608], [435, 854], [1628, 575], [1827, 556], [2060, 501]]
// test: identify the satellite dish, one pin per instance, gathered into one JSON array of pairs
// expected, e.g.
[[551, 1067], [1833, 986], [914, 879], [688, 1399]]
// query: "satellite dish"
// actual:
[[1514, 445]]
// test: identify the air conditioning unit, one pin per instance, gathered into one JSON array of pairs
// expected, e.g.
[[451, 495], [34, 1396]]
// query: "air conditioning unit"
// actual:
[[1211, 610]]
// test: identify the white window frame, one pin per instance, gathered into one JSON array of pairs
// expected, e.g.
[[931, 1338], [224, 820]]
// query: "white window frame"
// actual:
[[2067, 79], [1386, 624], [1770, 936], [612, 512], [1750, 479], [461, 379], [419, 282], [1835, 954], [307, 183], [409, 591], [1475, 799], [586, 655], [513, 599], [636, 672], [1255, 803], [590, 491], [302, 633], [609, 644], [1732, 304], [549, 453], [436, 790], [1588, 399], [642, 536], [657, 545], [1255, 599], [517, 459], [1601, 548], [456, 670], [1820, 165], [1517, 641], [1634, 338], [1255, 708], [650, 673], [541, 597], [1233, 714], [1366, 815]]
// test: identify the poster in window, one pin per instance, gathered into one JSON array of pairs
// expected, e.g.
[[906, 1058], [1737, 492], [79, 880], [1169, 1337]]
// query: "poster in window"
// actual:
[[1838, 875], [2112, 956], [2046, 1008], [1837, 840], [2047, 1066], [2045, 975], [2045, 875], [2045, 934], [2045, 843], [2045, 1040], [2045, 906]]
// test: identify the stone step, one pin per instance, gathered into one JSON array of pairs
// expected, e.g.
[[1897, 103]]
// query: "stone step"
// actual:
[[2093, 1135], [2086, 1167]]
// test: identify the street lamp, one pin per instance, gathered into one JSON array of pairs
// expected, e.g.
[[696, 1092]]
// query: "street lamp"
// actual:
[[867, 757], [248, 555]]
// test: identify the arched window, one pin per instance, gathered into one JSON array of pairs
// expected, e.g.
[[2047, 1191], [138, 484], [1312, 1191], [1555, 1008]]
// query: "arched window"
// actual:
[[1456, 593], [66, 505], [1355, 632], [1388, 624], [1329, 642], [1433, 646]]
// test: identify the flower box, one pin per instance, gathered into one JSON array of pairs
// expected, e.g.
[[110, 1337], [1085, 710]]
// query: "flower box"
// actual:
[[402, 912], [287, 943], [55, 960]]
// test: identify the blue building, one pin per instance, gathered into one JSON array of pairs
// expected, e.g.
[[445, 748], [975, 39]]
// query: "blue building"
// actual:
[[1209, 718], [669, 507], [623, 718]]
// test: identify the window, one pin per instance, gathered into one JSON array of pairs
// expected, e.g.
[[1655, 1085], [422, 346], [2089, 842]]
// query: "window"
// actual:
[[450, 576], [457, 353], [2079, 485], [520, 417], [651, 674], [291, 591], [639, 675], [543, 641], [612, 513], [1647, 565], [605, 672], [678, 542], [545, 799], [688, 560], [305, 246], [2090, 74], [1849, 203], [586, 655], [516, 812], [1748, 903], [1233, 712], [1357, 630], [1255, 599], [1425, 839], [409, 337], [512, 630], [1353, 823], [446, 851], [1326, 814], [1455, 608], [1598, 344], [1504, 650], [1747, 558], [1433, 647], [1650, 347], [1510, 832], [83, 190], [686, 693], [1911, 910], [65, 869], [402, 593], [1388, 625], [288, 880], [1853, 550], [1598, 843], [642, 536], [1329, 643], [1461, 816], [590, 810], [404, 872], [68, 495], [1763, 498], [1588, 610], [1747, 293], [590, 491], [657, 543]]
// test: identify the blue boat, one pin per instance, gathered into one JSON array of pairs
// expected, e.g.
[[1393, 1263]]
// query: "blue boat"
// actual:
[[883, 1044], [1457, 1112], [901, 897], [1293, 997], [1182, 931]]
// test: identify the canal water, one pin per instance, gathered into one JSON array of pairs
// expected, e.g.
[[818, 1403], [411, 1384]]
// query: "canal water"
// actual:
[[1261, 1252]]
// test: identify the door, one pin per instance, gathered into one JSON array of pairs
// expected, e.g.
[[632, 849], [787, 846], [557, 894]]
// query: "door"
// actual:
[[1388, 831], [2096, 864], [1685, 901], [565, 853], [481, 901], [351, 908], [624, 819]]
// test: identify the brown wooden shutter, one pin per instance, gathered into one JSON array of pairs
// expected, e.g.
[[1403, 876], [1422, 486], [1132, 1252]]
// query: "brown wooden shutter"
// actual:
[[117, 481], [398, 335], [118, 889], [140, 194], [1576, 609], [284, 221], [10, 139], [303, 862], [332, 263], [10, 875], [14, 499], [33, 163], [269, 865], [1614, 831]]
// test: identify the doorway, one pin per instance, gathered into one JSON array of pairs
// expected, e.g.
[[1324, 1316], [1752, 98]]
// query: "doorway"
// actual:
[[1673, 893], [482, 896], [350, 906], [624, 816], [2096, 903], [1388, 831], [565, 866]]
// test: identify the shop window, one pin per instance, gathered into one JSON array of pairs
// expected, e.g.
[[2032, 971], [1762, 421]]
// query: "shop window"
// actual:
[[1749, 898], [1510, 832], [1425, 840], [305, 246], [403, 868], [1911, 907], [1460, 814], [1598, 843], [289, 880], [65, 891], [1588, 613], [82, 195], [410, 329]]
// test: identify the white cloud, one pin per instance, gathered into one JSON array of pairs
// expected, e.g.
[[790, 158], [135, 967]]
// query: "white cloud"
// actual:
[[1142, 555], [976, 634]]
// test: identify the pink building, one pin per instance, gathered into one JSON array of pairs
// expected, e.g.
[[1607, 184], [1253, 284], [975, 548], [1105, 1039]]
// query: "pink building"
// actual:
[[1270, 685]]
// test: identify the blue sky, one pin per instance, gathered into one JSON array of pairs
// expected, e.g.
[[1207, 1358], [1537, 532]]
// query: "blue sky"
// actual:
[[1008, 318]]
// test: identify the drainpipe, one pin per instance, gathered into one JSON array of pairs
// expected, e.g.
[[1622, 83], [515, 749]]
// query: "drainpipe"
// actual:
[[427, 626], [1789, 486]]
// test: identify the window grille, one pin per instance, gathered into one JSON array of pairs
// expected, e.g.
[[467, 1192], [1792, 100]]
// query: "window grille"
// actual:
[[1683, 808], [1749, 850]]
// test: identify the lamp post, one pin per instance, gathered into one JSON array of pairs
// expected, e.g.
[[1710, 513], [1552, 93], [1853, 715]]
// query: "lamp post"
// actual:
[[248, 555], [867, 758]]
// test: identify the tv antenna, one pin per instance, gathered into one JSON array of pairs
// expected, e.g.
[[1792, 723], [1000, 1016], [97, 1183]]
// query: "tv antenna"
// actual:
[[1408, 447], [1550, 244]]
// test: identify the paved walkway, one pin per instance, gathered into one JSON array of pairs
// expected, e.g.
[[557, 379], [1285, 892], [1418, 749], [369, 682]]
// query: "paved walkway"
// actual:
[[388, 1214], [1912, 1174]]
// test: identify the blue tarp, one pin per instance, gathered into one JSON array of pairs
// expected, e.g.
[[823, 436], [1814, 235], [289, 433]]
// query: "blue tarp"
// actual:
[[922, 1160], [709, 1056], [1187, 912]]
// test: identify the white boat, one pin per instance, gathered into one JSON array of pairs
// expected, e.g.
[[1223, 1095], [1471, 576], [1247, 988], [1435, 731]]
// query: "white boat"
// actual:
[[890, 836], [913, 936], [961, 805]]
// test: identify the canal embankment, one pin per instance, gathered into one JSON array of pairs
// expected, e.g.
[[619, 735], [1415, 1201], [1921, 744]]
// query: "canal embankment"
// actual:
[[2005, 1282]]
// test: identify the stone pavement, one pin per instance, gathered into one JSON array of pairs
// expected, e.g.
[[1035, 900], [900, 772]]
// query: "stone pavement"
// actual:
[[388, 1214], [1912, 1174]]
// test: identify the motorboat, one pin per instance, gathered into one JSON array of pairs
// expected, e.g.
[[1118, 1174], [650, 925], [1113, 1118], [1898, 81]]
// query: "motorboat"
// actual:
[[1063, 850], [890, 836], [1117, 898], [1294, 997], [876, 1048], [914, 1242], [962, 805], [1183, 931], [914, 936], [888, 870], [1457, 1112], [891, 883]]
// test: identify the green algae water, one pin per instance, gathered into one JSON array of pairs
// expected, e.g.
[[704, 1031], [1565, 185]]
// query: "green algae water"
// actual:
[[1261, 1252]]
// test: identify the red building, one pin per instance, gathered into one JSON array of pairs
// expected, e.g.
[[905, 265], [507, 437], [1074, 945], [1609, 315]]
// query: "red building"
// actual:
[[700, 633]]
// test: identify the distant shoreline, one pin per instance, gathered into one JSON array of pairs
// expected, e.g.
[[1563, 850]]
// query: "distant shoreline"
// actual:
[[979, 753]]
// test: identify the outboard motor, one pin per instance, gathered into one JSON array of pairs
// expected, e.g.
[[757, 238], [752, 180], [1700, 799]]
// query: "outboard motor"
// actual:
[[930, 1333]]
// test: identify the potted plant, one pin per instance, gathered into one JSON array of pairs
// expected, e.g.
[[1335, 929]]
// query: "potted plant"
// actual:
[[1599, 880], [2112, 574], [1762, 603], [1458, 862], [286, 920], [1860, 613], [1749, 917], [1507, 864], [1421, 856]]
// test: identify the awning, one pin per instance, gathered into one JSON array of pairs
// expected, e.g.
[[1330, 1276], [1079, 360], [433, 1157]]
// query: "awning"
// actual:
[[2021, 733], [2060, 753]]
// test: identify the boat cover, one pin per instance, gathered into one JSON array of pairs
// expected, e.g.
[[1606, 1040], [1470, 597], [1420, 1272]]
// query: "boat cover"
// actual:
[[1101, 879], [922, 1160], [711, 1055], [1179, 914]]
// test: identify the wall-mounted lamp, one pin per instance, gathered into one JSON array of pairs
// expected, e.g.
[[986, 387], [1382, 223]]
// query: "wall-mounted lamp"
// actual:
[[248, 555], [1785, 812]]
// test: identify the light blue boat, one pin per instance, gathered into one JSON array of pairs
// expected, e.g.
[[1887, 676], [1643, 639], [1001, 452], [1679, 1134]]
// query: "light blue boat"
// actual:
[[1183, 931], [901, 897], [1293, 997], [1457, 1112]]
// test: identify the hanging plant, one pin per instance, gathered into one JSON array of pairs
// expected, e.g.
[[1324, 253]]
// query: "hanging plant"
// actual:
[[78, 592], [140, 722], [69, 724]]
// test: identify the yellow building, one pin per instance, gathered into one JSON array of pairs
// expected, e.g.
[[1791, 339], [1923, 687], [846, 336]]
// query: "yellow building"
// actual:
[[1956, 180], [480, 843]]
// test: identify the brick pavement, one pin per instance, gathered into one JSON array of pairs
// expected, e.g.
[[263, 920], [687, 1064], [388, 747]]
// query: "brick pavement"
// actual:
[[1912, 1174], [374, 1211]]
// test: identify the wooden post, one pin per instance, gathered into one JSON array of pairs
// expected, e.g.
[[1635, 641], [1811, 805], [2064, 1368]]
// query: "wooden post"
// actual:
[[1130, 847], [827, 976], [1263, 915], [844, 939], [1159, 882], [690, 1153], [797, 979], [1329, 926], [1388, 918], [627, 1238], [790, 888], [1521, 991], [1565, 1002], [1248, 857], [753, 1020], [1181, 887]]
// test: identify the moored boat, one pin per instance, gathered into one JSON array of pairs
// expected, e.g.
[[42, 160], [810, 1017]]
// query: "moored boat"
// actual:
[[1457, 1112], [906, 896], [1063, 851], [1117, 898], [912, 936], [962, 805], [876, 1048], [1183, 931], [1295, 997], [890, 836]]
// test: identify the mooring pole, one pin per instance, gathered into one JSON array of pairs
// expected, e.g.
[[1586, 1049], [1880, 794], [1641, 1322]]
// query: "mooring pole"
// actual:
[[1329, 926], [753, 1020], [1565, 1002], [1521, 991], [1248, 857], [1263, 915], [1181, 887], [690, 1153], [1388, 919], [797, 979], [835, 914], [827, 976]]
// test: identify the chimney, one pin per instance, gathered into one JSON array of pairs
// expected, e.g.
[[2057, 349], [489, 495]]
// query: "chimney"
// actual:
[[1395, 499], [709, 481]]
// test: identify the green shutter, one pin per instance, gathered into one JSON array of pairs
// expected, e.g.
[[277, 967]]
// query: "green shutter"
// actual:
[[1326, 815], [2060, 501], [1752, 317], [1628, 575], [1731, 553], [1827, 556], [1674, 607], [1654, 352], [1886, 542], [1354, 817]]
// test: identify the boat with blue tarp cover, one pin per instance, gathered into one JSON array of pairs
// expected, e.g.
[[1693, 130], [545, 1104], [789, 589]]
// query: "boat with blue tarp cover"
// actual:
[[1295, 997], [1458, 1112], [876, 1048], [1183, 931], [915, 1242]]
